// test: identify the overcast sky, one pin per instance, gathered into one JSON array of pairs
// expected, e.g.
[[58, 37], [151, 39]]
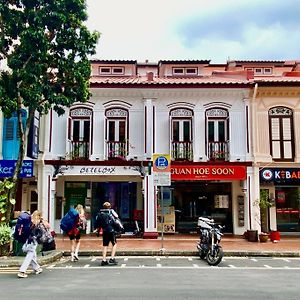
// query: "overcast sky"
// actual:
[[196, 29]]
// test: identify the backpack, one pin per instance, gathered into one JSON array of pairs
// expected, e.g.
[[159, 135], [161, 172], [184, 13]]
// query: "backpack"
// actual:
[[108, 222], [69, 220], [44, 235], [23, 227]]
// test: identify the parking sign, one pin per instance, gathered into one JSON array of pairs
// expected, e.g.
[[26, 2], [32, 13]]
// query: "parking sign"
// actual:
[[162, 169]]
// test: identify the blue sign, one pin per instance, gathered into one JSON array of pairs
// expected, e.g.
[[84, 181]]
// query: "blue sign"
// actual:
[[161, 162], [7, 168]]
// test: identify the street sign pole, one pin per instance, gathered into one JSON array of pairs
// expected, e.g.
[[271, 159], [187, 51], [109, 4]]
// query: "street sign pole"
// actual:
[[162, 218]]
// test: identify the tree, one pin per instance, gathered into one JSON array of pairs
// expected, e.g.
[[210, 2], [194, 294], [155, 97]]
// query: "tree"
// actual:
[[46, 46]]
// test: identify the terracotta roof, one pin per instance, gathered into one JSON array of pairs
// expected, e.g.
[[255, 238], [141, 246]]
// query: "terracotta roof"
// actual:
[[174, 62], [207, 80]]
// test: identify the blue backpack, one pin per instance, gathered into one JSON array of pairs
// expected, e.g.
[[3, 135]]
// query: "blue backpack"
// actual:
[[69, 220], [23, 227]]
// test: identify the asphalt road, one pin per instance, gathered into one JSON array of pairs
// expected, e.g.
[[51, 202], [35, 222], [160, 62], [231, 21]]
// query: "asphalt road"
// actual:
[[158, 278]]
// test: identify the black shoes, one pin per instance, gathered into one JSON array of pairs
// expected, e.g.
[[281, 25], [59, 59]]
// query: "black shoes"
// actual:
[[104, 263], [112, 261]]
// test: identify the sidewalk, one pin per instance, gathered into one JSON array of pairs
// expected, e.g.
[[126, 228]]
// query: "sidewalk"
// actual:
[[183, 245]]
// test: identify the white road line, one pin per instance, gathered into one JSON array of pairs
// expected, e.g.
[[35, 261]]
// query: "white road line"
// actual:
[[262, 268], [86, 266], [123, 265], [232, 266], [158, 265], [286, 267], [126, 259], [190, 259], [253, 259], [158, 258], [267, 266], [94, 259]]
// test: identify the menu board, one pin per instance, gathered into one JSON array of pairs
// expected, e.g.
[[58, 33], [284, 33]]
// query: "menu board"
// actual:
[[169, 219], [221, 201]]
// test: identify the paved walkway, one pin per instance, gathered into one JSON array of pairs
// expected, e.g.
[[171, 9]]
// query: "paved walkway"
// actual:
[[186, 244], [171, 245]]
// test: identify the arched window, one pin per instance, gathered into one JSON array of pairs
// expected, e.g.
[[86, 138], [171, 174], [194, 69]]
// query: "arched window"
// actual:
[[217, 133], [117, 132], [80, 132], [181, 134], [11, 139], [281, 133]]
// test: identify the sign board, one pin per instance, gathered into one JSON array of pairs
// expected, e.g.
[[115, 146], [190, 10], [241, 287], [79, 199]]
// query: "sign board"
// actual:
[[7, 168], [219, 172], [280, 175], [161, 169]]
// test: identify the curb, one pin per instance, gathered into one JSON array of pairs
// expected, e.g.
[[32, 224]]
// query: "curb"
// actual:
[[16, 261], [52, 256]]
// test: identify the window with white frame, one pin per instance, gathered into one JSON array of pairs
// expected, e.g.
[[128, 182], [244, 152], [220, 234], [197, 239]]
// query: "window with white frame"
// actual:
[[80, 132], [116, 132], [217, 133], [111, 70], [181, 133], [185, 71], [281, 133]]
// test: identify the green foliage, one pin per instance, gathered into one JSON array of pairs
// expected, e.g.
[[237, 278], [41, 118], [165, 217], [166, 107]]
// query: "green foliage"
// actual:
[[264, 201], [5, 187], [5, 234], [47, 47]]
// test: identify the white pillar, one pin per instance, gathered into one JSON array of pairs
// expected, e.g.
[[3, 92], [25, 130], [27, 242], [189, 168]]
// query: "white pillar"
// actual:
[[149, 127], [150, 208]]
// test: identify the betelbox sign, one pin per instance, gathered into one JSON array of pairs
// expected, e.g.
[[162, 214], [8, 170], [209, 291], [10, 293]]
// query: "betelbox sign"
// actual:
[[283, 175], [7, 168]]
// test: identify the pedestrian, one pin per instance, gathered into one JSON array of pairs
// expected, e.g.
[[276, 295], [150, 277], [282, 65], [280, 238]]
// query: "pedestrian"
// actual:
[[105, 220], [74, 233], [30, 247]]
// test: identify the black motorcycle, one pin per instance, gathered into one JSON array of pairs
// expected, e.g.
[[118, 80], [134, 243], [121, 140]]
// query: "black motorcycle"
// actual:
[[209, 247]]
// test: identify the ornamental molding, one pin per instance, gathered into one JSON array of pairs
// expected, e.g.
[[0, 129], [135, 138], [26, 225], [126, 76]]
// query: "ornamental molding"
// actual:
[[217, 112], [181, 112], [81, 112], [116, 112], [280, 111]]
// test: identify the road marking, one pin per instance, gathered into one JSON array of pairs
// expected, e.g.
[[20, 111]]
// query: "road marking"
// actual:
[[267, 266], [190, 259], [253, 259], [158, 258], [123, 265], [232, 266], [195, 266], [86, 266], [126, 259], [94, 259], [158, 265]]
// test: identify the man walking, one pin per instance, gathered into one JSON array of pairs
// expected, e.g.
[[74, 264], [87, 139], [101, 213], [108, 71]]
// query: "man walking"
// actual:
[[106, 219]]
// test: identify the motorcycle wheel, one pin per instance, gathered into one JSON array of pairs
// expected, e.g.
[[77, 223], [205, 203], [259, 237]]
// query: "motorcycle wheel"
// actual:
[[214, 260]]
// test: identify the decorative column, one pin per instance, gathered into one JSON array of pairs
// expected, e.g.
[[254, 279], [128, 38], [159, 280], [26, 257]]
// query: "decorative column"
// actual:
[[150, 208], [46, 192]]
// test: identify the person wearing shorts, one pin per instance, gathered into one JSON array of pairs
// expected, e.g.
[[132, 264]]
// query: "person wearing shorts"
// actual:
[[109, 236]]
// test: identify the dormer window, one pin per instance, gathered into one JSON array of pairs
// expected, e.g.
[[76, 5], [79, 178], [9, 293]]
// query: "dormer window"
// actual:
[[111, 70], [185, 71]]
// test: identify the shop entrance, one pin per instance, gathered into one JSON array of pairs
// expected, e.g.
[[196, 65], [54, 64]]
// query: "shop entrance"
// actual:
[[195, 199], [121, 195]]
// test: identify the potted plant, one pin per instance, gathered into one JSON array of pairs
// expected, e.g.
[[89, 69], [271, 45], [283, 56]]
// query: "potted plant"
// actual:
[[263, 237], [5, 238]]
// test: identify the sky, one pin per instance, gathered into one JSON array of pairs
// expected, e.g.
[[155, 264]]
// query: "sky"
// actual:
[[215, 30]]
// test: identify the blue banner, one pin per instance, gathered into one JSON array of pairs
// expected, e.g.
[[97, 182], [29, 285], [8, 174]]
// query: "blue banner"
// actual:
[[7, 168]]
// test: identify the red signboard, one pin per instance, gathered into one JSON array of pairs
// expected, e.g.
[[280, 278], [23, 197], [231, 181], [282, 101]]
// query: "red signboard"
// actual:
[[219, 172]]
